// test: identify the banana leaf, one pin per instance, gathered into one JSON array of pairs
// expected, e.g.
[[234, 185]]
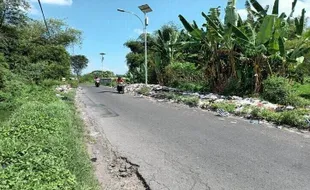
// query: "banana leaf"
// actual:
[[217, 28], [258, 7], [195, 32], [293, 9], [298, 52], [266, 29], [240, 21], [282, 47], [275, 9], [300, 23], [282, 16], [240, 34]]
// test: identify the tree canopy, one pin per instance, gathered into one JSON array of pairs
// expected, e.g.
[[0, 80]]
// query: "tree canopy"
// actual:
[[234, 55], [78, 63]]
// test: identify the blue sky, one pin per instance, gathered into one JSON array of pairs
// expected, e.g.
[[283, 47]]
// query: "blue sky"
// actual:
[[106, 30]]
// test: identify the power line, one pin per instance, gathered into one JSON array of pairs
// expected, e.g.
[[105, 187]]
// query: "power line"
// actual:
[[44, 17]]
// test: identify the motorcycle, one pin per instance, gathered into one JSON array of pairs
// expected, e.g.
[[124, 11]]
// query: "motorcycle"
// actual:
[[97, 82], [120, 88]]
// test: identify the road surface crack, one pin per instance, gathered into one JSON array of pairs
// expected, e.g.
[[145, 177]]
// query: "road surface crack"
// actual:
[[114, 172]]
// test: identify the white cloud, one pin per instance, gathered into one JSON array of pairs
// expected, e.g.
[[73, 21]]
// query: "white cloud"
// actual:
[[34, 10], [55, 2], [284, 6], [138, 31]]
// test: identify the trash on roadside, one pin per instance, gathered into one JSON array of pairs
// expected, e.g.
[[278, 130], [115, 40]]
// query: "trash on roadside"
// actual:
[[254, 121], [93, 159], [222, 113]]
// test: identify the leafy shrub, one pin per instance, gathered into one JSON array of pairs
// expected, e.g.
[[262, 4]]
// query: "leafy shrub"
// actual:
[[270, 115], [191, 101], [73, 83], [229, 107], [297, 101], [255, 112], [50, 83], [192, 87], [232, 87], [293, 118], [169, 95], [277, 90], [185, 76], [144, 90]]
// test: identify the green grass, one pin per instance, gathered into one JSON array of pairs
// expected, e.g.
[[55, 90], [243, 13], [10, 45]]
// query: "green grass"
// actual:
[[229, 107], [4, 116], [80, 160], [303, 90], [42, 145]]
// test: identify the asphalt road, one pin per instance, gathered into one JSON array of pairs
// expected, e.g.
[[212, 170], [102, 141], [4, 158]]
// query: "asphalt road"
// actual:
[[183, 148]]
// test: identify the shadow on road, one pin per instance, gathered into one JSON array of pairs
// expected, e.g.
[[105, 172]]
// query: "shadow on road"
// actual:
[[108, 91]]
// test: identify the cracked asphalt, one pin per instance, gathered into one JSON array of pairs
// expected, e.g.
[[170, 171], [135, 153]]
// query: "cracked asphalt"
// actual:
[[180, 148]]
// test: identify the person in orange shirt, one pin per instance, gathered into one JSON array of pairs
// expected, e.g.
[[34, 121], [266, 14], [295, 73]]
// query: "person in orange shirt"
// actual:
[[119, 80]]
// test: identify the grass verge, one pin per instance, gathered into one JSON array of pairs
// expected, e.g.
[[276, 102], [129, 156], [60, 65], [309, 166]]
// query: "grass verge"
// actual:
[[42, 147]]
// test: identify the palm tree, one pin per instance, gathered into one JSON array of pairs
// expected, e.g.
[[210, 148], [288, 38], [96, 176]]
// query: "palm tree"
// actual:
[[165, 49]]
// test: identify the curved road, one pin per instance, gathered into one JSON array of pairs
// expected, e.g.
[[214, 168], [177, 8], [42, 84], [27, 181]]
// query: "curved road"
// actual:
[[182, 148]]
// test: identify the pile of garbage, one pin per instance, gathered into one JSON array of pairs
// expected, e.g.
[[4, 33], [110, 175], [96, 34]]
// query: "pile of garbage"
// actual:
[[206, 101], [63, 88], [210, 97]]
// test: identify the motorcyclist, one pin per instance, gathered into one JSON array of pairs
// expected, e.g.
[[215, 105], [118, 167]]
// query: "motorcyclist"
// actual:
[[119, 80], [120, 86], [97, 80]]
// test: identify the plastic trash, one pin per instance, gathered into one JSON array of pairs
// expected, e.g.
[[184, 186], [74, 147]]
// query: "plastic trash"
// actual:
[[222, 113]]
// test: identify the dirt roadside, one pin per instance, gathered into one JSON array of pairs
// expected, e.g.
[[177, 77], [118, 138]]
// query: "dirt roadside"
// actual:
[[113, 171]]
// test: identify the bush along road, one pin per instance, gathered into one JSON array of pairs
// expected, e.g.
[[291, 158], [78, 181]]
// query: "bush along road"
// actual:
[[172, 146]]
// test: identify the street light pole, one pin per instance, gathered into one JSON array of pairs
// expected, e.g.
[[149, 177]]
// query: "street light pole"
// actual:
[[145, 9], [145, 48], [102, 58]]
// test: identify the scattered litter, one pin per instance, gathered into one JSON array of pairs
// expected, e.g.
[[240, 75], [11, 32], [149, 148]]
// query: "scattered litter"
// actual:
[[233, 122], [93, 159], [222, 113], [254, 121]]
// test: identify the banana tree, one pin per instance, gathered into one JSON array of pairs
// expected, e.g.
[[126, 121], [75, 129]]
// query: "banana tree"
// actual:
[[266, 38], [216, 42]]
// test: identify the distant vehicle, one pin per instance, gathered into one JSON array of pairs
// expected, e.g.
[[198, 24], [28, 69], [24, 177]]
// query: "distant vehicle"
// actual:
[[120, 85], [97, 81]]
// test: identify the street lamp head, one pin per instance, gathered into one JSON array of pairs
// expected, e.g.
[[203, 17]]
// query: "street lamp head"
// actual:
[[145, 8], [121, 10], [102, 53]]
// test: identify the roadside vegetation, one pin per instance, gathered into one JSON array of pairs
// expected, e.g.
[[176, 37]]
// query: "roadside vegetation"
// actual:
[[266, 56], [41, 135]]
